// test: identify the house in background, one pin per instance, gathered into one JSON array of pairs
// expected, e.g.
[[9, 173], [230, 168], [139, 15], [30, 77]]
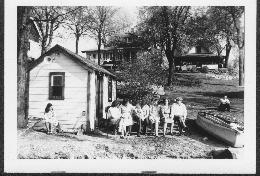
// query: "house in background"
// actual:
[[122, 47], [78, 88], [199, 56], [34, 49]]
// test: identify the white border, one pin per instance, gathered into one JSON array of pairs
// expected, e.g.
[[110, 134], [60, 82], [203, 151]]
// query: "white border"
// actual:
[[12, 164]]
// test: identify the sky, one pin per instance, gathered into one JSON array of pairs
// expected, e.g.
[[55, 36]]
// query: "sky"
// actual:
[[86, 43]]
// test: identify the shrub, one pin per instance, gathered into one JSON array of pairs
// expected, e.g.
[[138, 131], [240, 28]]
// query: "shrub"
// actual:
[[223, 70], [205, 69], [216, 71], [194, 69]]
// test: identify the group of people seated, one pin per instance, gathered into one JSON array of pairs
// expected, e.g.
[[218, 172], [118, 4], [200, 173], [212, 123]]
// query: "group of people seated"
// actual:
[[146, 114]]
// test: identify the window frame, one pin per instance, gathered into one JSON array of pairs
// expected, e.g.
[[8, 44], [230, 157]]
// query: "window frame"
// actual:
[[110, 91], [51, 74]]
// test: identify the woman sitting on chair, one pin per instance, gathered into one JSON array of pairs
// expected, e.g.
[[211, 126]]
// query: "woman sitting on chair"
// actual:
[[166, 116], [127, 119], [50, 119], [114, 115]]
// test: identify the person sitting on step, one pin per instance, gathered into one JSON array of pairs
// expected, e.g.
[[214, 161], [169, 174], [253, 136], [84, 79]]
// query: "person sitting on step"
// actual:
[[224, 104]]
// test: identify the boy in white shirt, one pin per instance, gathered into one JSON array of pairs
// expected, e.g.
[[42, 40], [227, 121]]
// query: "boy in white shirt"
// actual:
[[179, 114]]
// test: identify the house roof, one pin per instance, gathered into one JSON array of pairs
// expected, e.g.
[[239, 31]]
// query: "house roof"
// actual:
[[95, 50], [86, 63], [201, 55], [109, 49]]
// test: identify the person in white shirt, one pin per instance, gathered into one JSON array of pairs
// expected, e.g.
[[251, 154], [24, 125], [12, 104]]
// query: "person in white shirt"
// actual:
[[154, 116], [146, 113], [139, 117], [127, 110], [179, 114], [166, 117], [224, 104], [114, 115]]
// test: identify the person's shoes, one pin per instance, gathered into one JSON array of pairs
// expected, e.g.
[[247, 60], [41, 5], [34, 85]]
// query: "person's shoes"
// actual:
[[138, 135], [122, 137]]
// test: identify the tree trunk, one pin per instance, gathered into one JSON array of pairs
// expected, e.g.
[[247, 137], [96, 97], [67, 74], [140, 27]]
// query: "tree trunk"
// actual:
[[241, 67], [23, 31], [171, 67], [77, 44], [228, 49], [43, 45], [99, 46]]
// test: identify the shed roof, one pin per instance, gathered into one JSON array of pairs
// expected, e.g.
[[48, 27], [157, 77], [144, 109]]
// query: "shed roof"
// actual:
[[79, 59]]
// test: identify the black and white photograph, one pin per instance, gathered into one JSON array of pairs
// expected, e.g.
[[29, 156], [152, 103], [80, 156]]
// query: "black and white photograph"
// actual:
[[134, 87]]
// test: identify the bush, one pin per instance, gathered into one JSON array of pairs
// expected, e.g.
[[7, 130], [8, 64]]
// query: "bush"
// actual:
[[223, 70], [205, 69], [216, 72], [194, 69]]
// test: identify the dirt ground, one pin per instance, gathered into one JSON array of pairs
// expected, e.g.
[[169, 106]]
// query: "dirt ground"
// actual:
[[38, 145], [99, 145]]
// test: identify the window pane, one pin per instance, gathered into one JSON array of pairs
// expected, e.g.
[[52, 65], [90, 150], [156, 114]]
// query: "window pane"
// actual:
[[56, 91], [57, 81]]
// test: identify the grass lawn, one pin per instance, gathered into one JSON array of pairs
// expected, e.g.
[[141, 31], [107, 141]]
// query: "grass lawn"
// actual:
[[199, 91], [206, 93]]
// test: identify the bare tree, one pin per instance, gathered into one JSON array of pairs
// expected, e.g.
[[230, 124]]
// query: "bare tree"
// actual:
[[23, 32], [49, 19], [102, 24], [78, 23]]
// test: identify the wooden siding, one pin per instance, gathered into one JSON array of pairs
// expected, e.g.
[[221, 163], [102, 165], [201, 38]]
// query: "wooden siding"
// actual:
[[69, 110], [92, 105], [105, 93]]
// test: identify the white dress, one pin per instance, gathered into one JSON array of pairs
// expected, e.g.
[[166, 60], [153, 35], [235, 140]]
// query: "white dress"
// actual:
[[127, 114], [50, 118], [154, 114]]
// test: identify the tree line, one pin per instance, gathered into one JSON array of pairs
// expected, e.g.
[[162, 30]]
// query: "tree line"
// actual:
[[170, 29]]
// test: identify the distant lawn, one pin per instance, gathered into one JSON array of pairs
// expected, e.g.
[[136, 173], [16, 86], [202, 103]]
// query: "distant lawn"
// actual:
[[202, 92]]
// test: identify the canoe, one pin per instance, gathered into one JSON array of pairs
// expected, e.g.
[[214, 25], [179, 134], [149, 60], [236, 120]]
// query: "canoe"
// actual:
[[229, 132]]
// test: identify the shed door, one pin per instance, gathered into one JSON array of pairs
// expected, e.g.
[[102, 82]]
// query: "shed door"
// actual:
[[99, 97]]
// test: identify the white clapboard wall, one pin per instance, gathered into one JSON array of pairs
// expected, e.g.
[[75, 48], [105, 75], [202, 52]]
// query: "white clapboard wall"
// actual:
[[68, 111]]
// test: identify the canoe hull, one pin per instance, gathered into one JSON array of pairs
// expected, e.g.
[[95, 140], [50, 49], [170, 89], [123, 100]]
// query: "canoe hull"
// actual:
[[228, 135]]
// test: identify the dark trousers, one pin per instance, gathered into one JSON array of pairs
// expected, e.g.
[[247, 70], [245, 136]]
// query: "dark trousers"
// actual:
[[224, 107], [129, 129], [139, 124], [113, 124], [180, 123], [147, 123]]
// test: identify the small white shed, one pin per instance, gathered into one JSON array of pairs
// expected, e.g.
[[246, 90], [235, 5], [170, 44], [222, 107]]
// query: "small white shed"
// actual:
[[78, 88]]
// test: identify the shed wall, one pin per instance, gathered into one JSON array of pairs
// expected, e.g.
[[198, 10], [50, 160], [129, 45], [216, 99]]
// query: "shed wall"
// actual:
[[68, 111]]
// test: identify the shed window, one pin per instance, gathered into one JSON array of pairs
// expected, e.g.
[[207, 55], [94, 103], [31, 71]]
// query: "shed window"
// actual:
[[56, 85], [109, 90]]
